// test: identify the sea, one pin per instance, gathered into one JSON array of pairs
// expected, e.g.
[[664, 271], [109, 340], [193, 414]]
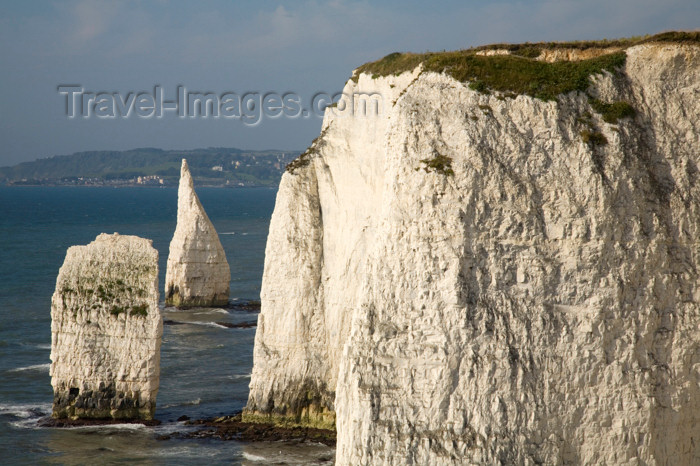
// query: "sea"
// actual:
[[205, 367]]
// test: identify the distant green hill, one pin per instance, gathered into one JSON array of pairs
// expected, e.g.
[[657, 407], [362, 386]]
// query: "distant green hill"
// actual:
[[214, 166]]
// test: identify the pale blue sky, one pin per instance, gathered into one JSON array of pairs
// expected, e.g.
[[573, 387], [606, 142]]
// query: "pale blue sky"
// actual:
[[244, 46]]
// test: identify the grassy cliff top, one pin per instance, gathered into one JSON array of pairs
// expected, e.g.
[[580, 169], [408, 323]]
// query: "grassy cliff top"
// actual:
[[532, 50], [518, 72]]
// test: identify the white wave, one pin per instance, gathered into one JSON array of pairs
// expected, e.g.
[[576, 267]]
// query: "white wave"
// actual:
[[212, 311], [239, 376], [174, 427], [199, 454], [107, 428], [47, 346], [186, 403], [35, 367], [244, 234], [25, 411], [209, 324], [228, 233], [251, 457], [28, 423], [178, 348]]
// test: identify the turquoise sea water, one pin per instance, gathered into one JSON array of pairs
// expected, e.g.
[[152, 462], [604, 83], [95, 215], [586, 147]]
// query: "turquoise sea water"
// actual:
[[205, 368]]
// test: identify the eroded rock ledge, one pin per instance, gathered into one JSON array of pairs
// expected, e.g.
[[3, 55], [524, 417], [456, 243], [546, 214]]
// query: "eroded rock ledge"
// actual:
[[484, 274]]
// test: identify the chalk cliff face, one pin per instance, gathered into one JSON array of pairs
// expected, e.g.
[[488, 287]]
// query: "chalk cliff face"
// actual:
[[106, 330], [484, 277], [197, 273]]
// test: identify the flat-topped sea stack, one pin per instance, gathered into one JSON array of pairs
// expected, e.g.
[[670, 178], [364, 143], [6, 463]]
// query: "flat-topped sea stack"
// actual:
[[500, 266], [106, 331], [197, 273]]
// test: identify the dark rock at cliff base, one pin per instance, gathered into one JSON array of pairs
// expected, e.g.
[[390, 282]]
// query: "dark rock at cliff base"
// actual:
[[232, 428], [62, 423], [238, 325], [249, 306], [172, 322]]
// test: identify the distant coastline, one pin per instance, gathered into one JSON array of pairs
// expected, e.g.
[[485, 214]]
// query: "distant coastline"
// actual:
[[121, 184], [152, 167]]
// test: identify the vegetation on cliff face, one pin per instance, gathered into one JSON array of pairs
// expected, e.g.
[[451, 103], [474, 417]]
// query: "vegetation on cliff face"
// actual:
[[613, 111], [304, 159], [508, 73], [519, 72], [593, 137], [439, 163]]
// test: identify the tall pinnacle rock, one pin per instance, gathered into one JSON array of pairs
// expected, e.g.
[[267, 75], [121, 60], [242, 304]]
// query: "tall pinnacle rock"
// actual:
[[197, 274]]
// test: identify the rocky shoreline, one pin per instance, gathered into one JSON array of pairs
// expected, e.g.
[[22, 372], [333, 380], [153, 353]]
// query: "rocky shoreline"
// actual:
[[248, 306], [68, 423], [222, 428], [233, 428]]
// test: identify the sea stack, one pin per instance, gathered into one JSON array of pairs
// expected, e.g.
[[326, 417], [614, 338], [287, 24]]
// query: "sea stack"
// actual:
[[106, 331], [501, 266], [197, 273]]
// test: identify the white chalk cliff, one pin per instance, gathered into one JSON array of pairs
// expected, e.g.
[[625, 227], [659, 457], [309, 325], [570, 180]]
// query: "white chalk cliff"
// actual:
[[106, 330], [197, 273], [479, 278]]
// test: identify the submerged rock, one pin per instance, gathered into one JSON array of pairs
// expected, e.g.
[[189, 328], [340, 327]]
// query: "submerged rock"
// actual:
[[234, 428], [238, 325], [106, 331], [483, 277], [197, 273]]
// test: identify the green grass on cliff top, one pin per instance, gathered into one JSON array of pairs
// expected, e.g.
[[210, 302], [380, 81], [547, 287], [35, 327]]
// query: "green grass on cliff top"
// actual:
[[519, 73]]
